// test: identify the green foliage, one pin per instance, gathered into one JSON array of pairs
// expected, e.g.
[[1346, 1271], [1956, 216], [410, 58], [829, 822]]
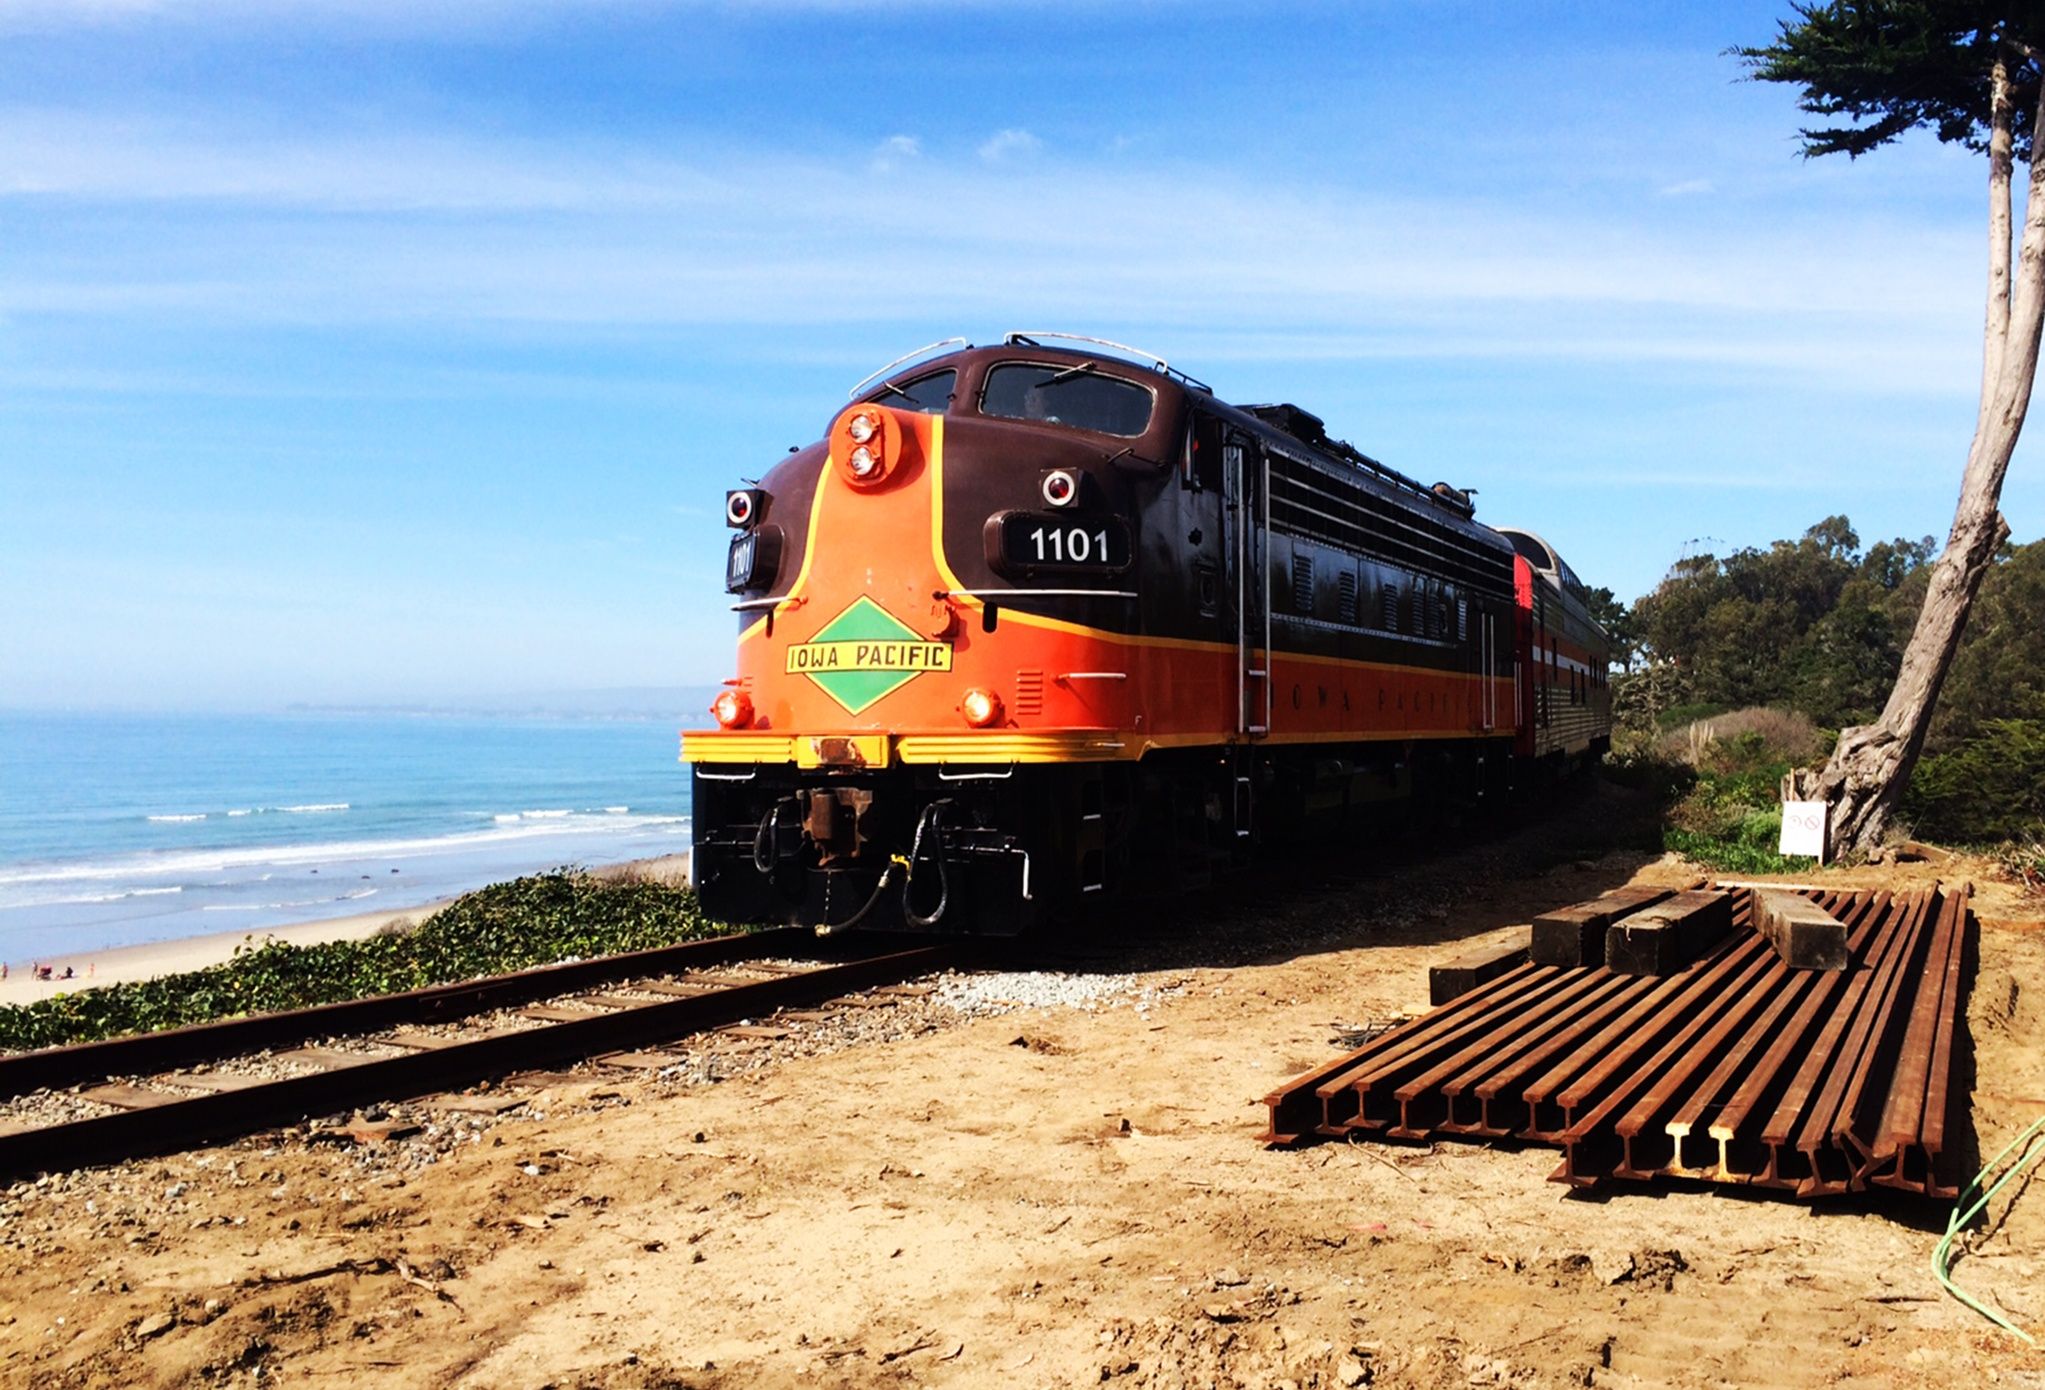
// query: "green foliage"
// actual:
[[1889, 66], [1991, 787], [1999, 671], [1748, 849], [1813, 624], [1731, 817], [1677, 716], [564, 915]]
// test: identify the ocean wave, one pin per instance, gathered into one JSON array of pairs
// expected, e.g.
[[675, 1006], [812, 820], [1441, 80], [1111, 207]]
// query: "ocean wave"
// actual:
[[190, 863], [617, 810], [118, 897], [244, 811], [288, 904], [177, 819], [314, 809]]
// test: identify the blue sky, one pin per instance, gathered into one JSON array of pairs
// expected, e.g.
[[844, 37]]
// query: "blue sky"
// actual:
[[362, 350]]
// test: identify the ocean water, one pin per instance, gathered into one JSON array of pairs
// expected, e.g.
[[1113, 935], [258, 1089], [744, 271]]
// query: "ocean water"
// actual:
[[118, 830]]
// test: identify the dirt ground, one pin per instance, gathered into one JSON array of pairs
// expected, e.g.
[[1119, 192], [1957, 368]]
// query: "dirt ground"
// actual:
[[1048, 1197]]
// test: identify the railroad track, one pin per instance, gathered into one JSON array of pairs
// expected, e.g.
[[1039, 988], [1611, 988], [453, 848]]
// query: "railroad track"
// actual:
[[615, 1005]]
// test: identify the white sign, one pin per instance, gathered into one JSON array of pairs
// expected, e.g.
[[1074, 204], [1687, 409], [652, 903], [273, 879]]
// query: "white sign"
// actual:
[[1803, 828]]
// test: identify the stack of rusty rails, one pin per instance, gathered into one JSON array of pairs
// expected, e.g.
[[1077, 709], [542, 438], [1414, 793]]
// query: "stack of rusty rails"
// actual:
[[693, 989], [1736, 1068]]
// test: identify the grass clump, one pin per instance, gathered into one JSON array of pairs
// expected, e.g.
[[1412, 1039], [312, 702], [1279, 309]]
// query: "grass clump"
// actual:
[[538, 920], [1719, 781]]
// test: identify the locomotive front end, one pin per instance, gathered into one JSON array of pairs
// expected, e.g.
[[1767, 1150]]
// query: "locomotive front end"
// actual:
[[899, 743]]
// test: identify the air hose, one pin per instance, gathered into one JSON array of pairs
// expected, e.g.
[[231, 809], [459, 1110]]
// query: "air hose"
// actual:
[[931, 823], [895, 862], [1942, 1254], [764, 847]]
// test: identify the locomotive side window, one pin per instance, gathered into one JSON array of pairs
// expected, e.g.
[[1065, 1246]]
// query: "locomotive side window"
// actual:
[[1078, 397], [928, 394]]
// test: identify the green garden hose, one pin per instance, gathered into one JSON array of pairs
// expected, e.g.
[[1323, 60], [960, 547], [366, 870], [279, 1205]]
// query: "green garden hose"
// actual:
[[1942, 1254]]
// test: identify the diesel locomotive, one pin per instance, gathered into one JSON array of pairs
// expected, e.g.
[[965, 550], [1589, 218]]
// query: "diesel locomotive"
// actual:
[[1047, 620]]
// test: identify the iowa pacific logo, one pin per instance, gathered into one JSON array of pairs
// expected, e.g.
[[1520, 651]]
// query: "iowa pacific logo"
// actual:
[[864, 653]]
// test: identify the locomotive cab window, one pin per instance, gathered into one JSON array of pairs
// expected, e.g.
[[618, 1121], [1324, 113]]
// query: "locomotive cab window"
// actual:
[[929, 394], [1078, 397]]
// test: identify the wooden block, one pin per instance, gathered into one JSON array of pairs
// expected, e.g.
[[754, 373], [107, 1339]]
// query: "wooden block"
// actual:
[[1662, 939], [324, 1057], [1573, 936], [122, 1096], [1466, 972], [753, 1030], [803, 1015], [1806, 936]]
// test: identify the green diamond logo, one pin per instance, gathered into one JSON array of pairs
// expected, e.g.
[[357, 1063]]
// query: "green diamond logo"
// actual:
[[864, 653]]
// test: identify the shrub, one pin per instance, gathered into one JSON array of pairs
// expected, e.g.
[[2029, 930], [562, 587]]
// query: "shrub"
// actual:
[[1989, 788], [564, 915], [1748, 846], [1747, 739]]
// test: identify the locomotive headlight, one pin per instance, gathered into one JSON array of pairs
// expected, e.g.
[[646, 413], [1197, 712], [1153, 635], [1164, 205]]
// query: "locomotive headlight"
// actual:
[[981, 708], [862, 428], [861, 460], [733, 709], [741, 506], [1060, 488]]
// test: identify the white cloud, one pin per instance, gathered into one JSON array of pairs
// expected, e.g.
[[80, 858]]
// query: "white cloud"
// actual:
[[894, 152], [238, 226], [1688, 188], [1010, 144]]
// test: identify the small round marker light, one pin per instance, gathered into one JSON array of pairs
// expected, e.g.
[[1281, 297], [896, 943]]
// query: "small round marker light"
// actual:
[[981, 708], [733, 709], [862, 460], [738, 508], [1060, 488], [861, 428]]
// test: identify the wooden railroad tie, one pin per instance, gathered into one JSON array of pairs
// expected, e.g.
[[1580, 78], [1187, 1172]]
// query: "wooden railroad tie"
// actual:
[[1806, 936], [1572, 936], [1663, 938], [1466, 972]]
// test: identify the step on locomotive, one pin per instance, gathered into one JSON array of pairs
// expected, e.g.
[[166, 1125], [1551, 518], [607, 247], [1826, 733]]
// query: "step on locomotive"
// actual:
[[1048, 620]]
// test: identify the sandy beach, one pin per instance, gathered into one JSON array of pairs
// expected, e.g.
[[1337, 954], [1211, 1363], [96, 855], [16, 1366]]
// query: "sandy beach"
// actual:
[[117, 965]]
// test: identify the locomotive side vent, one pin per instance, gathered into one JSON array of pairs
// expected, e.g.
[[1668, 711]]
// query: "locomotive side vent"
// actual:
[[1303, 584], [1345, 596], [1029, 692], [1391, 607]]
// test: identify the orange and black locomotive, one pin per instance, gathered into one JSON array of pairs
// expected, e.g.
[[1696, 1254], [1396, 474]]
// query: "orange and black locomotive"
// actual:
[[1047, 620]]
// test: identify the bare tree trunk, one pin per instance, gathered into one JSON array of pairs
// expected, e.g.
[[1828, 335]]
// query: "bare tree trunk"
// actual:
[[1871, 765]]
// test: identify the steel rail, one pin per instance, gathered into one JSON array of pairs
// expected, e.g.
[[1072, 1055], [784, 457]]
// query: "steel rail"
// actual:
[[1738, 1068], [186, 1122], [204, 1042]]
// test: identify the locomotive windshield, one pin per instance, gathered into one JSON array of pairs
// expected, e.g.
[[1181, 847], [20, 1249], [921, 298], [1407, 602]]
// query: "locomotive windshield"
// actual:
[[928, 394], [1079, 397]]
